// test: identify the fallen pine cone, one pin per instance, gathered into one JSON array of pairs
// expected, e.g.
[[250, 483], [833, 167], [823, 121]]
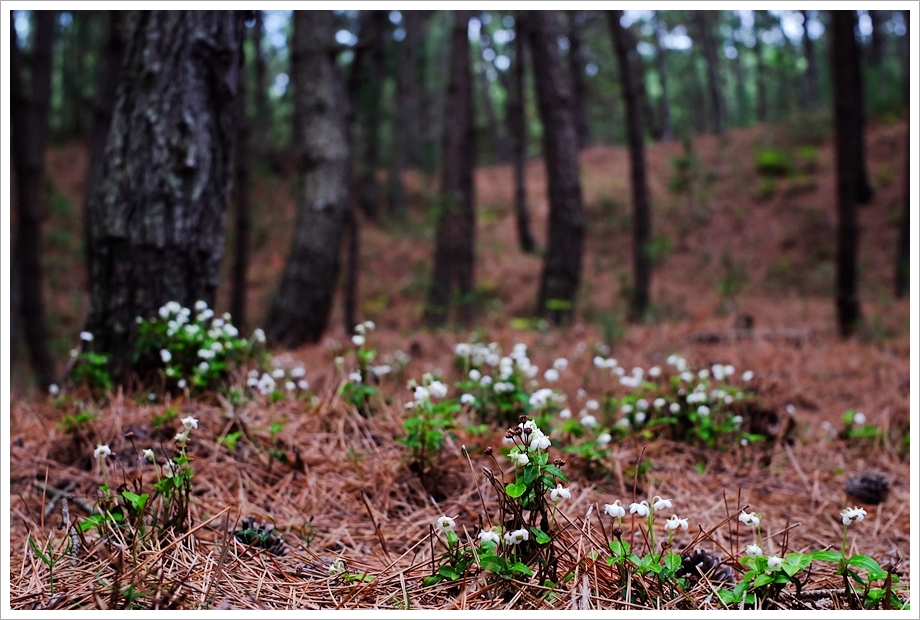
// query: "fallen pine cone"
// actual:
[[870, 488]]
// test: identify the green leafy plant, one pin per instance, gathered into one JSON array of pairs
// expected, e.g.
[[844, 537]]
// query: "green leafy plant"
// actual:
[[774, 163], [427, 426]]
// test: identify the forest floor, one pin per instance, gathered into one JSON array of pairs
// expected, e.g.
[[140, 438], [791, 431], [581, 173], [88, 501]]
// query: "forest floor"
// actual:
[[745, 277]]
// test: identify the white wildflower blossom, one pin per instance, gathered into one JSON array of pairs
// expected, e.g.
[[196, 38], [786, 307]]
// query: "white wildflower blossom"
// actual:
[[86, 336], [559, 492], [446, 524], [674, 408], [203, 367], [488, 536], [517, 537], [661, 504], [703, 410], [53, 389], [675, 522], [437, 389], [200, 305], [101, 452], [749, 519], [659, 403], [640, 508], [565, 414], [589, 420], [290, 386], [853, 514], [181, 383], [754, 551], [266, 384], [303, 385], [561, 364], [592, 405], [519, 458], [165, 355], [615, 510], [475, 375], [189, 423], [747, 375], [420, 393], [603, 439], [358, 340], [149, 455], [551, 375], [654, 371], [467, 399], [859, 418], [355, 377]]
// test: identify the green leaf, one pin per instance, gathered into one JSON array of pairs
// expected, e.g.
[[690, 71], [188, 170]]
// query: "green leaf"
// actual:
[[515, 490], [555, 471], [541, 536], [672, 562], [619, 548], [431, 580], [762, 580], [866, 563], [827, 556], [518, 567], [448, 573], [794, 562], [727, 596], [493, 563], [530, 474]]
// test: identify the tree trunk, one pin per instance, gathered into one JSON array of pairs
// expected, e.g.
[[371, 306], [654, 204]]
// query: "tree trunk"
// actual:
[[641, 212], [417, 29], [158, 212], [712, 70], [877, 45], [107, 79], [902, 266], [241, 189], [843, 58], [301, 308], [741, 117], [664, 107], [517, 130], [455, 236], [565, 226], [263, 114], [864, 192], [406, 110], [496, 135], [579, 87], [811, 69], [761, 71], [29, 138]]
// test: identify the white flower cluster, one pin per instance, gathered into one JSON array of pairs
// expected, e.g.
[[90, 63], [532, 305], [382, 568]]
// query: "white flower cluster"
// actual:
[[266, 382]]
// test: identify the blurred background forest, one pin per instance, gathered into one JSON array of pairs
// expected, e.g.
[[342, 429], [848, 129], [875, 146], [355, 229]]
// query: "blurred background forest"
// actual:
[[735, 110]]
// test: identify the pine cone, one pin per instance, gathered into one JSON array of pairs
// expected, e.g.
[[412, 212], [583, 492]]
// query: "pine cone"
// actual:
[[702, 562], [261, 535], [870, 487]]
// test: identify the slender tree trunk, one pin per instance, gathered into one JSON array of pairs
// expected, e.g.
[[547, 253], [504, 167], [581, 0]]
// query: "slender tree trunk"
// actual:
[[496, 135], [406, 110], [263, 113], [664, 107], [301, 308], [877, 45], [579, 87], [864, 191], [416, 29], [29, 138], [743, 110], [107, 79], [811, 69], [241, 189], [902, 267], [712, 70], [843, 58], [517, 130], [158, 211], [565, 226], [641, 212], [455, 236], [761, 71]]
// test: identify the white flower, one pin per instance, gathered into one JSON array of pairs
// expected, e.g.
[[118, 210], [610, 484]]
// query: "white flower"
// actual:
[[149, 455], [565, 414], [539, 441], [754, 551], [205, 354], [599, 362], [747, 375], [182, 437], [259, 335], [189, 423], [101, 452], [370, 325], [774, 562], [86, 336], [358, 340], [359, 329], [718, 372], [181, 383], [204, 316], [641, 509], [551, 375], [853, 514], [729, 370], [475, 375], [659, 403], [727, 399], [589, 420], [446, 524], [410, 405], [675, 522], [53, 389], [519, 458], [231, 331], [354, 377], [615, 510], [421, 393], [561, 364], [467, 399], [654, 371], [170, 469], [790, 409], [266, 384], [859, 418], [703, 374], [217, 347], [516, 537], [74, 352], [298, 371], [303, 385], [661, 504], [462, 349], [203, 367], [737, 420], [674, 408], [559, 492], [749, 519], [200, 305], [165, 355], [437, 389], [640, 417], [278, 373], [686, 376], [642, 404], [624, 423], [627, 408], [489, 536], [703, 410], [604, 438], [486, 381], [290, 386], [592, 404]]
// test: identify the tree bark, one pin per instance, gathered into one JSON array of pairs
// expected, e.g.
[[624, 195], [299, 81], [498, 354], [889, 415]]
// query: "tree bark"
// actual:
[[877, 44], [263, 114], [301, 308], [811, 69], [29, 138], [843, 58], [664, 107], [712, 70], [106, 87], [561, 275], [241, 189], [641, 212], [740, 90], [864, 191], [579, 86], [158, 212], [517, 130], [495, 133], [456, 230], [406, 110]]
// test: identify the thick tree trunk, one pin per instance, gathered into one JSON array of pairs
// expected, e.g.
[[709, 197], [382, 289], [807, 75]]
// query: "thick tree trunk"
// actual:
[[301, 308], [811, 69], [106, 86], [517, 130], [664, 107], [263, 114], [761, 71], [455, 236], [864, 192], [565, 226], [579, 86], [843, 58], [29, 137], [704, 26], [641, 212], [241, 188], [158, 212]]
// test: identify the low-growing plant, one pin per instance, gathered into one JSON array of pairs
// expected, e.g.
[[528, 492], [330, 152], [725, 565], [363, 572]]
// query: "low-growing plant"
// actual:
[[426, 428], [357, 389]]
